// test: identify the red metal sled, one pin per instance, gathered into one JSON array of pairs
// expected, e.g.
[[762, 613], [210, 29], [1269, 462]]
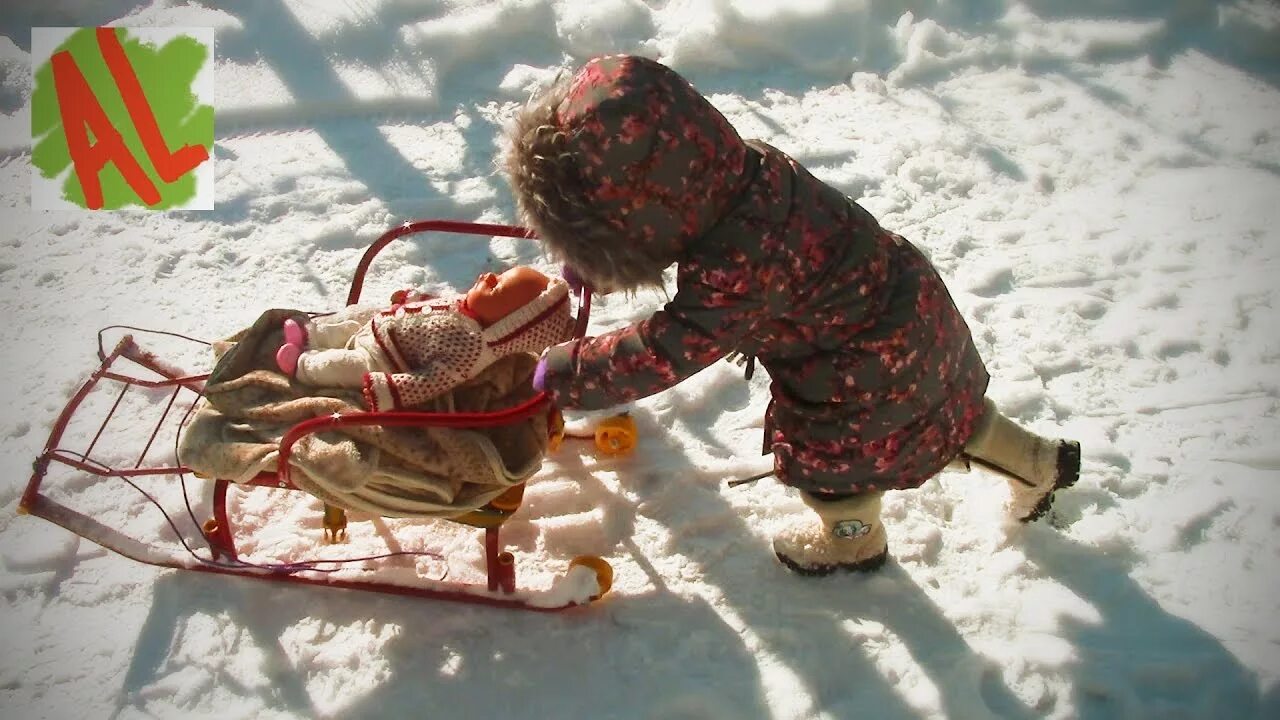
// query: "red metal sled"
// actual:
[[223, 558]]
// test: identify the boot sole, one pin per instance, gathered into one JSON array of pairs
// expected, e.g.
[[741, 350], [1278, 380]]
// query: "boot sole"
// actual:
[[1068, 474], [871, 564]]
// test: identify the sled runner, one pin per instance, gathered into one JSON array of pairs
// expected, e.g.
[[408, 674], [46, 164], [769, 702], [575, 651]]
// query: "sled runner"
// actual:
[[80, 441]]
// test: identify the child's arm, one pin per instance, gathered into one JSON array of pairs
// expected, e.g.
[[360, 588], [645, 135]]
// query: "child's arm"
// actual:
[[699, 326]]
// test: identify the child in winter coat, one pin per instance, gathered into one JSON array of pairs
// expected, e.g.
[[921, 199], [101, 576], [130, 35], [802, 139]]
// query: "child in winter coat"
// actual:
[[421, 346], [876, 385]]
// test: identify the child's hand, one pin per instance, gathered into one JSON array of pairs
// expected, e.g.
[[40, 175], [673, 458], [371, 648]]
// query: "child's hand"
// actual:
[[571, 276], [540, 374], [577, 282]]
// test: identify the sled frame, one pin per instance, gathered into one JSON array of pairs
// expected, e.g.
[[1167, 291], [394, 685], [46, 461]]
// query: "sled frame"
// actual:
[[500, 589]]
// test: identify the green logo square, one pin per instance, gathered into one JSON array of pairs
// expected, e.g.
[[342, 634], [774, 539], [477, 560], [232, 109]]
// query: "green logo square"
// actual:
[[122, 117]]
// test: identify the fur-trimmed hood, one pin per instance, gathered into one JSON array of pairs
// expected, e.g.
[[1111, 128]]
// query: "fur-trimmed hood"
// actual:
[[620, 167]]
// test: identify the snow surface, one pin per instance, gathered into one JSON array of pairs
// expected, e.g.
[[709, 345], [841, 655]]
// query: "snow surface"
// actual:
[[1099, 181]]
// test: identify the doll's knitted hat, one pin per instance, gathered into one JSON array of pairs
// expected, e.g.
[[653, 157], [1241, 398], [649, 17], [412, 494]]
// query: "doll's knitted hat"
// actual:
[[537, 325]]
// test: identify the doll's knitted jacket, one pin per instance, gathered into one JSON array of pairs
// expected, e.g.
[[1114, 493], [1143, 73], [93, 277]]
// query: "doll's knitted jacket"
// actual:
[[433, 345]]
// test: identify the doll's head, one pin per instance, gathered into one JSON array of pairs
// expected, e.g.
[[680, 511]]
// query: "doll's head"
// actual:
[[520, 311], [494, 297], [621, 167]]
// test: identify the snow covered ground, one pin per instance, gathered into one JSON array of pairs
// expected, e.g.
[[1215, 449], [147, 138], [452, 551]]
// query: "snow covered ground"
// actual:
[[1099, 181]]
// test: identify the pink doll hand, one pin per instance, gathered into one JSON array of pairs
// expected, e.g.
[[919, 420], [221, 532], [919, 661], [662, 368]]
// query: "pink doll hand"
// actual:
[[287, 358], [295, 341], [295, 334]]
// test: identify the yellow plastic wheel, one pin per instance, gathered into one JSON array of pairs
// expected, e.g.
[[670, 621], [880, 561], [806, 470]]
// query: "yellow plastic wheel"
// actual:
[[555, 429], [616, 435], [603, 570]]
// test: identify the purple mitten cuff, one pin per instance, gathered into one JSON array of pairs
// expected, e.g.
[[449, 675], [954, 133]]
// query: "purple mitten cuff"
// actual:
[[540, 374]]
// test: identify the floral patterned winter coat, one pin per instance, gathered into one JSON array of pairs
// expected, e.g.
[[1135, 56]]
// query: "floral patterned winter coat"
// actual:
[[626, 169]]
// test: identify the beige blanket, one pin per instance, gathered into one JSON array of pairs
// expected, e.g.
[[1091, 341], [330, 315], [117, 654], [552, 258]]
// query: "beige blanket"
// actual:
[[396, 472]]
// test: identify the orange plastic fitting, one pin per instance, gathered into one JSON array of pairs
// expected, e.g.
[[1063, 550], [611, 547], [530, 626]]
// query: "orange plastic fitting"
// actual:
[[616, 435], [603, 571]]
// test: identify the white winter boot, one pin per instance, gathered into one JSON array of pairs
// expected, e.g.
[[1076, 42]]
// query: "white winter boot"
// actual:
[[1034, 466], [849, 536]]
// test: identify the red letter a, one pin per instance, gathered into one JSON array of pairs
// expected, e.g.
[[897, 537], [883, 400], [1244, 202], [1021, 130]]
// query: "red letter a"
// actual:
[[79, 108]]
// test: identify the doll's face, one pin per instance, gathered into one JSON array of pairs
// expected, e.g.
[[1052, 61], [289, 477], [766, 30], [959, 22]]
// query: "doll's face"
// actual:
[[494, 297]]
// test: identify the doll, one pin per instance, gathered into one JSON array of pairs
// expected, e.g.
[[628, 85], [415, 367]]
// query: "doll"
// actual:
[[421, 346]]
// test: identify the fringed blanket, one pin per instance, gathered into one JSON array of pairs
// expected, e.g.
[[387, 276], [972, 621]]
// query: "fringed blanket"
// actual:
[[395, 472]]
